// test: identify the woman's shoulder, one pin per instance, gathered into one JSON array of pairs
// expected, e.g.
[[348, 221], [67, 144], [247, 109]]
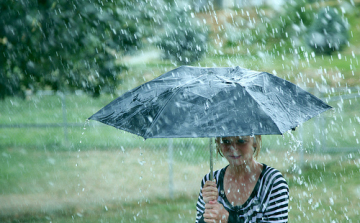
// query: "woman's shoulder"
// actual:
[[272, 175], [270, 171], [217, 174]]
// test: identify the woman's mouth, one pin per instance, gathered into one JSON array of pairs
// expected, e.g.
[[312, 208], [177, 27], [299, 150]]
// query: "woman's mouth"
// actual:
[[235, 157]]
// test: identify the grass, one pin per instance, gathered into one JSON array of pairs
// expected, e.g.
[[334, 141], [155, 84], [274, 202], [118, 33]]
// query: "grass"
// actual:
[[329, 189], [179, 209], [39, 184], [95, 186]]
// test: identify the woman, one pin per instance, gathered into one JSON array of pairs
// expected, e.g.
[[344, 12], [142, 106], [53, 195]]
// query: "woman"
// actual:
[[245, 190]]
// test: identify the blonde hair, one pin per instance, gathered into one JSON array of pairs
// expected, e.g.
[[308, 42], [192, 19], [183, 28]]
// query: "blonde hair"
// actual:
[[256, 141]]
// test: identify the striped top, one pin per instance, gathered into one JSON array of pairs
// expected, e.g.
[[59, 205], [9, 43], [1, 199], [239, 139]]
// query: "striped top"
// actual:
[[267, 203]]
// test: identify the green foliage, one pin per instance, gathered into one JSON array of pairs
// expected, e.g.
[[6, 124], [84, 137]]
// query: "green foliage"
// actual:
[[271, 27], [293, 19], [328, 33], [183, 39], [63, 45]]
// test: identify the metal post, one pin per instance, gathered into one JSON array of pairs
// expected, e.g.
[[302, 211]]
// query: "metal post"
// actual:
[[317, 123], [63, 105], [218, 4], [301, 147], [171, 184], [321, 129], [322, 134], [211, 159]]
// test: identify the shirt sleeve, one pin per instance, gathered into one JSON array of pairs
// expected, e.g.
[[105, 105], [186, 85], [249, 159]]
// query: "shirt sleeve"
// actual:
[[277, 208], [200, 205]]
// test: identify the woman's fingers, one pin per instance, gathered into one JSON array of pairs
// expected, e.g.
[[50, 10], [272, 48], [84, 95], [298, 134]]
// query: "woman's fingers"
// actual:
[[211, 213], [210, 216], [210, 187], [210, 183], [210, 206], [209, 191], [209, 220], [210, 196], [207, 197], [215, 212]]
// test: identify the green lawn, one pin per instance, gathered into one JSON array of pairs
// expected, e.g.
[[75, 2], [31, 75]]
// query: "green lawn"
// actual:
[[326, 189]]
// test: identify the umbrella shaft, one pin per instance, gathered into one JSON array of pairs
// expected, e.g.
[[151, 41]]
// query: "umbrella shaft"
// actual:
[[211, 159]]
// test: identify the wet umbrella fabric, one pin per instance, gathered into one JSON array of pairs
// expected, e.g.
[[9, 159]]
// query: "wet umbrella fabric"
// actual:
[[190, 102]]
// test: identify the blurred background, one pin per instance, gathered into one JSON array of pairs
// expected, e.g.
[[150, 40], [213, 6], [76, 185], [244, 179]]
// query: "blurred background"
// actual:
[[61, 61]]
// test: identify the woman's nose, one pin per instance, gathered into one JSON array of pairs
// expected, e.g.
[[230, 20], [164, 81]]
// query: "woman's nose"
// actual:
[[233, 147]]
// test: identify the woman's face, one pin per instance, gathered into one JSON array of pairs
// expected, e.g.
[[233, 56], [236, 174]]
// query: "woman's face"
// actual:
[[237, 150]]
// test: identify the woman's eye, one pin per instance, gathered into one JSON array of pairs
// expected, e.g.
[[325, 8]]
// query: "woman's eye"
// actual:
[[241, 141], [225, 141]]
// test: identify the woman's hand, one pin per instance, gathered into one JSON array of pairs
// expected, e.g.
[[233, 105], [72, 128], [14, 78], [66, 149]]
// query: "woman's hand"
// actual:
[[209, 192], [215, 213]]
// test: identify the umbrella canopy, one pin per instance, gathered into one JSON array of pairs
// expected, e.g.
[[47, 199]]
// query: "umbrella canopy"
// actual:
[[190, 102]]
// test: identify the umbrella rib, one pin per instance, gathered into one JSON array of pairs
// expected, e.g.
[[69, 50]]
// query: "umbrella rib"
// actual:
[[264, 111], [179, 87], [158, 114], [156, 117], [122, 127]]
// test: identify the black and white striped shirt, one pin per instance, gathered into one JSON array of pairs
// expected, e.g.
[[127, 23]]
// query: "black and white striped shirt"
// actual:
[[267, 203]]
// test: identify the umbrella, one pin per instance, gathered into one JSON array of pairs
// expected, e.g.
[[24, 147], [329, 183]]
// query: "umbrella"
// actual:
[[190, 102]]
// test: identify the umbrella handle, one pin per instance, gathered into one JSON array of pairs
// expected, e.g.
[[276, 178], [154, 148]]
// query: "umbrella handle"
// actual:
[[211, 160]]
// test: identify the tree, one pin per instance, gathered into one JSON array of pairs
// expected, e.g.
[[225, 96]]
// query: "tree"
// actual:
[[184, 40], [64, 44], [328, 33], [289, 22]]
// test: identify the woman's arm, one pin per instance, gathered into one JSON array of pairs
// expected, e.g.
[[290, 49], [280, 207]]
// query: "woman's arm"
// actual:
[[208, 209], [208, 192], [200, 205], [215, 213]]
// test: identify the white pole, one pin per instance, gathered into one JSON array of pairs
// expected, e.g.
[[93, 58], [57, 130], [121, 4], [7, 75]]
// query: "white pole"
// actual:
[[63, 106], [301, 146], [211, 159], [171, 184]]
